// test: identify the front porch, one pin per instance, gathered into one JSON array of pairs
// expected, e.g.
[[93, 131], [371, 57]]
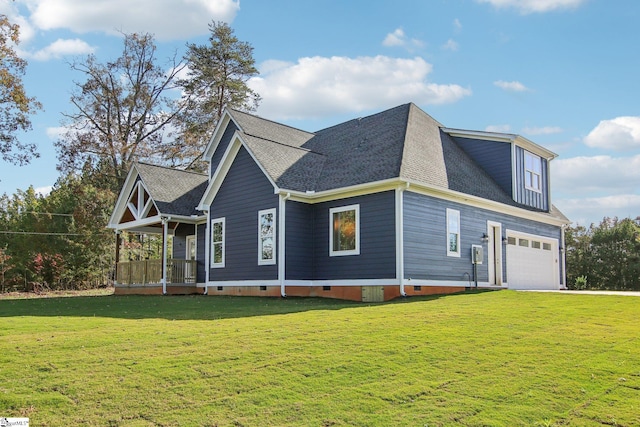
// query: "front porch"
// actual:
[[145, 277]]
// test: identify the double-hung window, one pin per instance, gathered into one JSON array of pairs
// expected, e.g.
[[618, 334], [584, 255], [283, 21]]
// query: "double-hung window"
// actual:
[[217, 243], [267, 237], [453, 232], [344, 230], [532, 172]]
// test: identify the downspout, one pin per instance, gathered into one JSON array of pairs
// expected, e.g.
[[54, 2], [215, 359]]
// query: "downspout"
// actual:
[[165, 234], [400, 237], [207, 261], [563, 256], [281, 244]]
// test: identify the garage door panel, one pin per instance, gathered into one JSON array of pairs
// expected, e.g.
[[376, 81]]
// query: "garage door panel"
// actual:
[[532, 262]]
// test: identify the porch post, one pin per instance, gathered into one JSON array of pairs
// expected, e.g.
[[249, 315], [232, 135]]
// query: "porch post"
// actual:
[[165, 232], [118, 242]]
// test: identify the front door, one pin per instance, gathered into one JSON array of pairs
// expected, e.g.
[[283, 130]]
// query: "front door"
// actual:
[[494, 247], [190, 270]]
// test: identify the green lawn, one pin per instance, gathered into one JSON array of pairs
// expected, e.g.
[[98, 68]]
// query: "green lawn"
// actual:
[[491, 358]]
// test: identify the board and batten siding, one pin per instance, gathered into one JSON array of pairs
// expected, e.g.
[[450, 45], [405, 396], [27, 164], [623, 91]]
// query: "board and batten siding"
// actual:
[[222, 147], [377, 258], [244, 192], [535, 199], [493, 156], [299, 239], [425, 240]]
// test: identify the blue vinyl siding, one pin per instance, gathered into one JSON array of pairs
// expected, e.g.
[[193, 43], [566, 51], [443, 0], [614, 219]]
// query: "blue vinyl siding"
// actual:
[[299, 238], [493, 156], [222, 147], [425, 251], [377, 259], [243, 193], [180, 246], [534, 199]]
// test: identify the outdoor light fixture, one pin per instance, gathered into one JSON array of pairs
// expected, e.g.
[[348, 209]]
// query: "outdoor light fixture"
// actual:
[[485, 237]]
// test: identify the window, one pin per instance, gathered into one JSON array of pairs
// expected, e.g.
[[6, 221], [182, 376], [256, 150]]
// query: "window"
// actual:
[[453, 232], [511, 240], [532, 172], [546, 246], [344, 230], [535, 245], [217, 243], [267, 237], [523, 242]]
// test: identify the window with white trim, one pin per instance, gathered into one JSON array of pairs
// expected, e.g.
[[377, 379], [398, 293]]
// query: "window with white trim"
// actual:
[[217, 242], [344, 230], [532, 172], [453, 232], [267, 237]]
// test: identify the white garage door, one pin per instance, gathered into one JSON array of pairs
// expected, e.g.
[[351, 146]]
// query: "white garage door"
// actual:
[[532, 262]]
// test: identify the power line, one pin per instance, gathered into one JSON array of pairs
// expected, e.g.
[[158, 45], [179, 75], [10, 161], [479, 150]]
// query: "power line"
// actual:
[[34, 233]]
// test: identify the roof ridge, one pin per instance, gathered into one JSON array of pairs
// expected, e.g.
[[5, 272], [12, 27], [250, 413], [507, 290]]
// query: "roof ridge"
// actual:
[[282, 143], [270, 121], [170, 168]]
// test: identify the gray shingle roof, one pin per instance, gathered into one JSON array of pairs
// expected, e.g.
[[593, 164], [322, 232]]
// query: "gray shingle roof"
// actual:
[[175, 192], [402, 142]]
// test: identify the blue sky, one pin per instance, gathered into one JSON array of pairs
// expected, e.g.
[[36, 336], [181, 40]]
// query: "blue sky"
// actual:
[[562, 73]]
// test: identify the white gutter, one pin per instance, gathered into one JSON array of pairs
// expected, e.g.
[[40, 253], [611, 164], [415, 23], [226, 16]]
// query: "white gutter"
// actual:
[[281, 238]]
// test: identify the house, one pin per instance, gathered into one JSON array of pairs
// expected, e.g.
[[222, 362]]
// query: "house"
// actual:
[[378, 207]]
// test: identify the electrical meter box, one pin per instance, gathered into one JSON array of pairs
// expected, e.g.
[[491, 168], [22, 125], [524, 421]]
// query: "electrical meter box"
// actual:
[[476, 254]]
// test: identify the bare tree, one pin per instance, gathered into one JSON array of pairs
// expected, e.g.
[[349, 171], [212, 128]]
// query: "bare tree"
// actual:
[[122, 111]]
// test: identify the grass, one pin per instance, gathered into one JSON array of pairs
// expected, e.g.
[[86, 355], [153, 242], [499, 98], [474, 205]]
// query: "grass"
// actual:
[[491, 358]]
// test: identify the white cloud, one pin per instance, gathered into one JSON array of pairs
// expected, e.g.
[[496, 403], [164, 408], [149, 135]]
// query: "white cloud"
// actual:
[[176, 19], [591, 210], [514, 86], [545, 130], [498, 128], [596, 176], [56, 133], [457, 25], [61, 48], [451, 45], [399, 39], [621, 133], [43, 191], [534, 6], [319, 86]]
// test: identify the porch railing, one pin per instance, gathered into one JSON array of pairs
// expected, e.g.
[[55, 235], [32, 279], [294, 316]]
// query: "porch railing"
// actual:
[[149, 272]]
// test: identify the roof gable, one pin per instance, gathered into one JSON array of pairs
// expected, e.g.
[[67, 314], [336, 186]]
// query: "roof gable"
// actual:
[[152, 191]]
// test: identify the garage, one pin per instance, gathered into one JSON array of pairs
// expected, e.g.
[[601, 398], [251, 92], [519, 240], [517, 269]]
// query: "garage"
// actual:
[[532, 262]]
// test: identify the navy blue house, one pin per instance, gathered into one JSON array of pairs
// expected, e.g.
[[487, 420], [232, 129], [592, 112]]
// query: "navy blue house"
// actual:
[[378, 207]]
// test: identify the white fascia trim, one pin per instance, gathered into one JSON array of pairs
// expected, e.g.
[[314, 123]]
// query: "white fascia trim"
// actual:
[[519, 140], [313, 197], [417, 187], [479, 202], [123, 197], [223, 169], [218, 132]]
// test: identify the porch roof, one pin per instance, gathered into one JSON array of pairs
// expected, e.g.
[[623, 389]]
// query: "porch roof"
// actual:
[[151, 193]]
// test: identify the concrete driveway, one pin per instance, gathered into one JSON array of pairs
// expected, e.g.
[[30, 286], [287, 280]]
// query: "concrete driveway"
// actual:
[[623, 293]]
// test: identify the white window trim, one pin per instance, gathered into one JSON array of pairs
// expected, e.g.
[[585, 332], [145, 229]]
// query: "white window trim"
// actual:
[[333, 211], [450, 252], [535, 175], [212, 251], [262, 261]]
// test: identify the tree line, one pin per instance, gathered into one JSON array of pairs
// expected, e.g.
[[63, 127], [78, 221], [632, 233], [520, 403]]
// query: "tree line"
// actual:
[[128, 109]]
